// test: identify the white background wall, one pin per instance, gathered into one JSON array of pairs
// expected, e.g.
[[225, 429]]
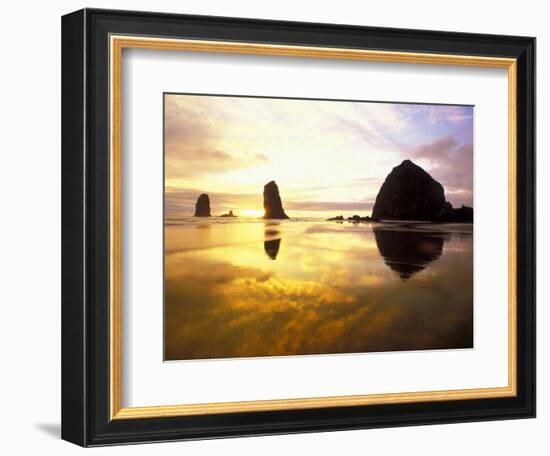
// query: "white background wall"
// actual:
[[30, 226]]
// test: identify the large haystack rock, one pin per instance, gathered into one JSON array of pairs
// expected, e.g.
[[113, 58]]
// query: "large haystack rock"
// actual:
[[409, 193]]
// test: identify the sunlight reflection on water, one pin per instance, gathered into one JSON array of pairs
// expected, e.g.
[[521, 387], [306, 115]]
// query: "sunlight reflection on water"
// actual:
[[272, 288]]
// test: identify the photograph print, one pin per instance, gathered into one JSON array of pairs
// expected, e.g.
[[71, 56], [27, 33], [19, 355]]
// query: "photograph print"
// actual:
[[316, 227]]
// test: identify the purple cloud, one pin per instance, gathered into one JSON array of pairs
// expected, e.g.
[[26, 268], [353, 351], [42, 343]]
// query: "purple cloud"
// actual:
[[451, 164]]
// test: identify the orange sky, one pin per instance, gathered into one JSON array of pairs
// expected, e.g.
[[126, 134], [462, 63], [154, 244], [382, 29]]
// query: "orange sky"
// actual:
[[327, 157]]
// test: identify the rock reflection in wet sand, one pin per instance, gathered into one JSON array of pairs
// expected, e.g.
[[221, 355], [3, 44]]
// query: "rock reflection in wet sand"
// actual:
[[272, 242], [408, 251], [272, 247], [332, 289]]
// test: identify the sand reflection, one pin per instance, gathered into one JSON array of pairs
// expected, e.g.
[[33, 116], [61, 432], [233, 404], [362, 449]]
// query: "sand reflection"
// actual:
[[272, 242], [408, 251], [332, 289]]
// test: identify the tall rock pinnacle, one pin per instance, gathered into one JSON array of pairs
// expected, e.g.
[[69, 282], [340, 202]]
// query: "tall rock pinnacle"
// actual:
[[202, 208], [272, 202]]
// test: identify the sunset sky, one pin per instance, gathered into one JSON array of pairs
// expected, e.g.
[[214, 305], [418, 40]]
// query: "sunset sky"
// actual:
[[327, 157]]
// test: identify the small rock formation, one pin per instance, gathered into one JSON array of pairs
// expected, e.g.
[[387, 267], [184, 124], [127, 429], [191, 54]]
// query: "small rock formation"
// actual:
[[463, 214], [229, 214], [338, 218], [358, 219], [410, 193], [202, 208], [273, 206]]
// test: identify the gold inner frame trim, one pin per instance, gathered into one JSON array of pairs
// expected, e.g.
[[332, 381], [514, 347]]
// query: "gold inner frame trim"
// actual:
[[117, 44]]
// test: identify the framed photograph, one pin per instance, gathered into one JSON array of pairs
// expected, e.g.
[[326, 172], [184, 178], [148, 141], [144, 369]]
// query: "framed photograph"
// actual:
[[277, 227]]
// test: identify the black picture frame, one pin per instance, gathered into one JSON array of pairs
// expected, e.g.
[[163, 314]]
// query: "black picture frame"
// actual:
[[85, 228]]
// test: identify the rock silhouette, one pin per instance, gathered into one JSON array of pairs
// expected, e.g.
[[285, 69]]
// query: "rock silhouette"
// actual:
[[202, 208], [410, 193], [358, 219], [408, 252], [229, 214], [463, 214], [273, 206]]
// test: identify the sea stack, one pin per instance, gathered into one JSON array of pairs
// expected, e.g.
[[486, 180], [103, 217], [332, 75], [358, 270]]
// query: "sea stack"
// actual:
[[273, 206], [202, 208], [409, 193]]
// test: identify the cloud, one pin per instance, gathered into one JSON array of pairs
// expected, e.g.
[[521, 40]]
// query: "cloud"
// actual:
[[439, 114], [368, 132], [330, 205], [437, 149], [194, 141], [325, 154], [188, 160], [182, 201], [451, 164]]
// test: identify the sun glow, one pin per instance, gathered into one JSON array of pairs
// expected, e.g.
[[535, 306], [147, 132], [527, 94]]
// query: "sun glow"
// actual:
[[251, 212]]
